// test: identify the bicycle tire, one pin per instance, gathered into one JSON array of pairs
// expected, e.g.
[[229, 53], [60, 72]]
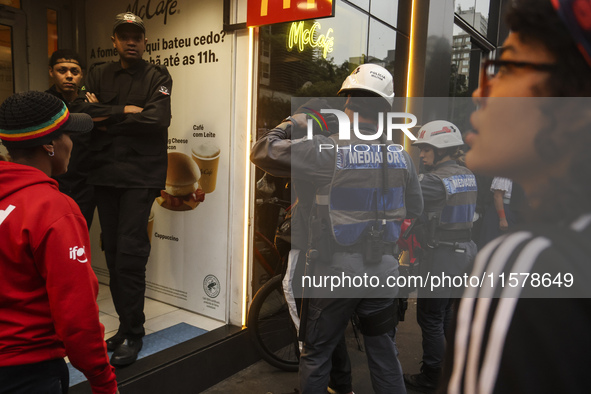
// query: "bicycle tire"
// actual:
[[271, 328]]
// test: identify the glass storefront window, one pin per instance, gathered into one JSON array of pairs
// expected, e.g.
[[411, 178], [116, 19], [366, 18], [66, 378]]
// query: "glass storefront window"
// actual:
[[382, 45], [475, 13], [467, 55], [465, 69], [460, 63], [363, 4], [291, 66], [350, 33], [385, 10]]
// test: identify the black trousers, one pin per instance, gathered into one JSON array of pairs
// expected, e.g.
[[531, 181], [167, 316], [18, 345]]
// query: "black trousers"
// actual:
[[76, 187], [340, 372], [327, 321], [123, 214], [47, 377], [84, 196], [435, 309]]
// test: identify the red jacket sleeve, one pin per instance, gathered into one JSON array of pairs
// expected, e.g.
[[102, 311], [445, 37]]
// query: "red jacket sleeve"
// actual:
[[63, 257]]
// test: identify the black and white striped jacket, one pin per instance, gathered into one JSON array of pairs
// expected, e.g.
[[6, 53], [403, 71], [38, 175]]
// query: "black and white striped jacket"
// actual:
[[527, 338]]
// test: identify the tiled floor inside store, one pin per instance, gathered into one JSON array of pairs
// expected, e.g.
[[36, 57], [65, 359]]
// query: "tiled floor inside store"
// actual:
[[165, 326], [158, 315]]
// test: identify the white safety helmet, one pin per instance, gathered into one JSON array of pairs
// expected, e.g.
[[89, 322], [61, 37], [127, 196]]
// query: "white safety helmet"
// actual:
[[373, 78], [440, 134]]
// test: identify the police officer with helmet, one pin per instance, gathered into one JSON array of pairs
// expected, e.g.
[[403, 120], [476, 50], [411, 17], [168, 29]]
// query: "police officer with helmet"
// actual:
[[449, 193], [359, 207]]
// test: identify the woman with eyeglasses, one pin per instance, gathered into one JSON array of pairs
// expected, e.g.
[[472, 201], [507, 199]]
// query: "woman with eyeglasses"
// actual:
[[526, 330]]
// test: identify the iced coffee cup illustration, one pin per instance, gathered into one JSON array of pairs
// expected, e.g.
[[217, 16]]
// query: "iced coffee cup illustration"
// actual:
[[207, 157]]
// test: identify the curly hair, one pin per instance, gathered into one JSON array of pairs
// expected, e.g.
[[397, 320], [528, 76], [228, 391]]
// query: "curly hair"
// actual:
[[537, 21], [564, 198], [67, 54]]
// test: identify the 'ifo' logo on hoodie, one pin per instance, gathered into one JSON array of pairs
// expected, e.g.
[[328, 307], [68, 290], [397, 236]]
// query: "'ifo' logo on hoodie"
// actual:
[[78, 254]]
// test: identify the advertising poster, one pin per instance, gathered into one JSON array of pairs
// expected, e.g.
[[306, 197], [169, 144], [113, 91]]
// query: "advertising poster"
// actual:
[[189, 260]]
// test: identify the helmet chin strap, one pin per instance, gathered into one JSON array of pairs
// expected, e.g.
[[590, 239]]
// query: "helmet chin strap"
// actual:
[[438, 156]]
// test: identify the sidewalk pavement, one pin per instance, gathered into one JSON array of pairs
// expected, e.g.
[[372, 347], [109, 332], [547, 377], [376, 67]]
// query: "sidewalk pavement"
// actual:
[[262, 378]]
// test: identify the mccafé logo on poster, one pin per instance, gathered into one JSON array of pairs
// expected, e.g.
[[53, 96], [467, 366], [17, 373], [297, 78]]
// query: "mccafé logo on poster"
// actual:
[[153, 8], [267, 12]]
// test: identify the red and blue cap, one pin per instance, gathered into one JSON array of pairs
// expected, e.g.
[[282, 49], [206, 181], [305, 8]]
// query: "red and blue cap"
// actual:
[[576, 15]]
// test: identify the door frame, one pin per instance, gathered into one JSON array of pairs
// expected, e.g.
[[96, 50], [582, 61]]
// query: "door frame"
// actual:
[[17, 20]]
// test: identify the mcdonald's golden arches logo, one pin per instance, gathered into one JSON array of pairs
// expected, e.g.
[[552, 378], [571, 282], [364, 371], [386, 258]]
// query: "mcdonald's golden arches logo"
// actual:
[[266, 12]]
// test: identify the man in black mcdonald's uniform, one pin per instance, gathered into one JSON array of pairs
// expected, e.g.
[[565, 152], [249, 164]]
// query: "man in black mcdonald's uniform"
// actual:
[[129, 161]]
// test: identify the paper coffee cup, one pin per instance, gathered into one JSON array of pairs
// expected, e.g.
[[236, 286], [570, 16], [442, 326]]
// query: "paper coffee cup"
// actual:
[[207, 157]]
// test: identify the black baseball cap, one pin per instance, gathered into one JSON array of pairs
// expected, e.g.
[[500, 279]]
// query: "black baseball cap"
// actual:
[[128, 17]]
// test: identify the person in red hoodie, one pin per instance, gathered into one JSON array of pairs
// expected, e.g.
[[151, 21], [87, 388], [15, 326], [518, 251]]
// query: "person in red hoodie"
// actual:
[[47, 287]]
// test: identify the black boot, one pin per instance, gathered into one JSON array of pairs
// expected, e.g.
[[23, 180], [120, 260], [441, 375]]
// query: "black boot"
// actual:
[[126, 353], [114, 342], [424, 382]]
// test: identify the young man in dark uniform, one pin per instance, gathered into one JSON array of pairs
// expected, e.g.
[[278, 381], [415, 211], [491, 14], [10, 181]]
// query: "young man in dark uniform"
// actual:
[[128, 171], [65, 70]]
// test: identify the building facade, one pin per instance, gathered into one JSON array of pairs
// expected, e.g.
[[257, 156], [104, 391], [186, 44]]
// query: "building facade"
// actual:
[[231, 83]]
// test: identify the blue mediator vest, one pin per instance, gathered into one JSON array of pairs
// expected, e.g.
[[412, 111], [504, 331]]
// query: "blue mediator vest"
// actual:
[[461, 191], [356, 198]]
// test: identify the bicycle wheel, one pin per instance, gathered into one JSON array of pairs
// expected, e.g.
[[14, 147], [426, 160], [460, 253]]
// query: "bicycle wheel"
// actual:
[[271, 327], [267, 254]]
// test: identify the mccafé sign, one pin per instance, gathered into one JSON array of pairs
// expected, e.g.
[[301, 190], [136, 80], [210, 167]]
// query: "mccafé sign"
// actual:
[[301, 38], [266, 12]]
